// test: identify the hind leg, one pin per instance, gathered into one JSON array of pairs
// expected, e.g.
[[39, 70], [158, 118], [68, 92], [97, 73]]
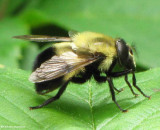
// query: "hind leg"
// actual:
[[52, 99]]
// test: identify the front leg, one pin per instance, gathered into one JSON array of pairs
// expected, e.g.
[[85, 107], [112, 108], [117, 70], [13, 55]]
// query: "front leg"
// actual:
[[125, 73], [119, 74], [128, 83], [135, 85], [122, 73]]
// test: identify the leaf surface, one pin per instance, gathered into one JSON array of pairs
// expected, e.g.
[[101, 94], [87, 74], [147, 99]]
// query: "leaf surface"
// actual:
[[86, 106]]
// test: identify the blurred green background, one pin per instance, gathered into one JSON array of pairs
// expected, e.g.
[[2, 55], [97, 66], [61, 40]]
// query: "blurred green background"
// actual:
[[87, 106], [135, 21]]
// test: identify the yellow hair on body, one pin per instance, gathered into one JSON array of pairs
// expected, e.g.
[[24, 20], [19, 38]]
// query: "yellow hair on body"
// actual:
[[95, 42], [92, 42], [71, 74], [66, 47], [62, 47]]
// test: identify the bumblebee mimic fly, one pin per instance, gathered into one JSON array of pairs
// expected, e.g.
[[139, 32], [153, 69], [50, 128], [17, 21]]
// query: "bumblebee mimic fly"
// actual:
[[79, 57]]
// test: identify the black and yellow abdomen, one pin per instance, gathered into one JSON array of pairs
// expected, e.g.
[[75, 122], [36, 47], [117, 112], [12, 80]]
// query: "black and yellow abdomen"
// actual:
[[46, 86]]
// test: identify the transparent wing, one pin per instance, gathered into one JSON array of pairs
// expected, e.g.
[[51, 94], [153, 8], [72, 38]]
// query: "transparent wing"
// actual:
[[43, 38], [58, 66], [72, 33]]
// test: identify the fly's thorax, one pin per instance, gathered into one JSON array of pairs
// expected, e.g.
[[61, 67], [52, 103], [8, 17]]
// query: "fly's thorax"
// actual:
[[91, 40], [97, 43]]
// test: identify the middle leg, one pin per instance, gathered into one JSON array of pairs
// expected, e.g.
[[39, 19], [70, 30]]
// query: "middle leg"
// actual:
[[111, 86]]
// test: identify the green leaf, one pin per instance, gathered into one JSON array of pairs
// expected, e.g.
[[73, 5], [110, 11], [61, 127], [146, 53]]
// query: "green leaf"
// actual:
[[86, 106], [135, 21], [10, 7], [10, 49], [29, 55]]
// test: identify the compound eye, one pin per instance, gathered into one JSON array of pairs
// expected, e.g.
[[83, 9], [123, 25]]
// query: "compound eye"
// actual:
[[122, 50]]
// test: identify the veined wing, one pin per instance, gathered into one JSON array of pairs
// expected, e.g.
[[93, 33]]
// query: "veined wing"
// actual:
[[43, 38], [58, 66]]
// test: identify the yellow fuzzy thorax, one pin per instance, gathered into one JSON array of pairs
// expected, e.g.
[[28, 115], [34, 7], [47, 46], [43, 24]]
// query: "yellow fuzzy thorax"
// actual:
[[95, 42], [92, 42]]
